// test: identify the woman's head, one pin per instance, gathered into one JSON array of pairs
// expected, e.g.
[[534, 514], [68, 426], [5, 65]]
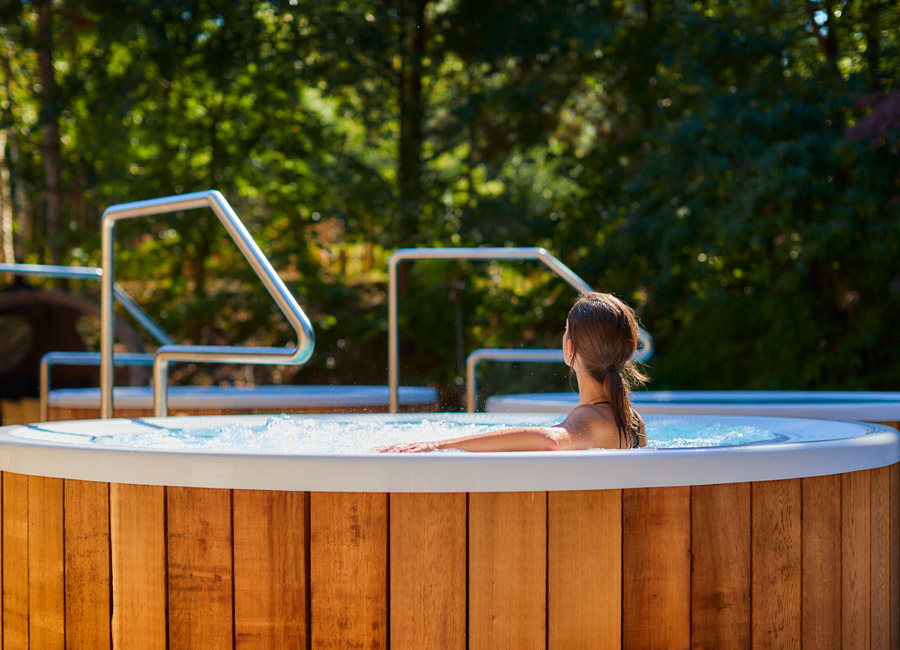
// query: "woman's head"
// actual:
[[603, 332]]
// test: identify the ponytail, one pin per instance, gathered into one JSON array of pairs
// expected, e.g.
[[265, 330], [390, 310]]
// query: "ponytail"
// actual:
[[618, 391], [618, 402]]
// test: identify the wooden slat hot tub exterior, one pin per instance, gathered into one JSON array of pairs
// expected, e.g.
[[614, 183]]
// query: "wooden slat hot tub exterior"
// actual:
[[810, 563]]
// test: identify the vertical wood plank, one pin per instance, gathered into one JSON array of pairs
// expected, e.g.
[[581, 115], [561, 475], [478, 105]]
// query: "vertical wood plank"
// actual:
[[507, 570], [46, 560], [855, 565], [8, 412], [87, 564], [20, 411], [720, 580], [880, 558], [895, 556], [348, 570], [776, 560], [1, 559], [428, 571], [656, 541], [15, 561], [584, 557], [138, 541], [821, 559], [199, 546], [56, 414], [269, 569]]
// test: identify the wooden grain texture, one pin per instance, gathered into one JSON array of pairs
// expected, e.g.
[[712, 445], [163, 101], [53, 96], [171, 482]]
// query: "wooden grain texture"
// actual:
[[46, 561], [21, 411], [348, 570], [584, 556], [428, 571], [507, 570], [720, 580], [656, 541], [56, 413], [15, 561], [855, 564], [895, 556], [138, 540], [269, 569], [199, 548], [776, 561], [821, 559], [88, 605], [9, 412], [880, 558]]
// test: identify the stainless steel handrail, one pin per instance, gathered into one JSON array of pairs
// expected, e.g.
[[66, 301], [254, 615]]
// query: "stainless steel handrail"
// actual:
[[201, 353], [53, 271], [499, 354], [91, 273], [488, 253], [81, 359]]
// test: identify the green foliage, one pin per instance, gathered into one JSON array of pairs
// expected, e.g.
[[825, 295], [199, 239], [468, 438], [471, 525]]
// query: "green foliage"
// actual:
[[730, 169], [753, 222]]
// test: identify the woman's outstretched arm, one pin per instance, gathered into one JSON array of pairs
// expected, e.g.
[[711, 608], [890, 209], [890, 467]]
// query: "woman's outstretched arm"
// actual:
[[570, 434]]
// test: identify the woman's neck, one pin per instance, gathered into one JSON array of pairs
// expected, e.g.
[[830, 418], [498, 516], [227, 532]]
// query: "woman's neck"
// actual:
[[589, 389]]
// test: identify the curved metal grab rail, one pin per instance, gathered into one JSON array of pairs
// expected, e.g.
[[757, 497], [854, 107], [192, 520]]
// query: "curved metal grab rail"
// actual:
[[91, 273], [490, 254], [544, 355], [81, 359], [201, 353]]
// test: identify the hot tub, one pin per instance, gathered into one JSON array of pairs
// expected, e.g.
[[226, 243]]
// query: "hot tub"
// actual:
[[137, 401], [792, 541], [840, 405]]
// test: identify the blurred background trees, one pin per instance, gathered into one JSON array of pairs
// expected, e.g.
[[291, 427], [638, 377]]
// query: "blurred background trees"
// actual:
[[730, 169]]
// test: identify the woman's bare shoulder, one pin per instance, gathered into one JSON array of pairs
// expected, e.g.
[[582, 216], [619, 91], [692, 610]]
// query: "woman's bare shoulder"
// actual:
[[597, 423]]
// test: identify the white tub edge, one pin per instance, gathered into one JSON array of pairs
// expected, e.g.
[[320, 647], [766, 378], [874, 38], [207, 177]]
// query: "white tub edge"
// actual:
[[490, 472], [848, 405]]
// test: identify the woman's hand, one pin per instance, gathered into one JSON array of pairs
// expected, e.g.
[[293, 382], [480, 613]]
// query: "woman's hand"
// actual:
[[407, 448]]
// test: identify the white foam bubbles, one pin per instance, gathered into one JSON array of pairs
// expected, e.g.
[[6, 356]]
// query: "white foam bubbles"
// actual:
[[284, 434]]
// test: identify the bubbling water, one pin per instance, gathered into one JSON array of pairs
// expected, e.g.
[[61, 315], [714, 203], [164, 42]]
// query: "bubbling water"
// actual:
[[283, 434]]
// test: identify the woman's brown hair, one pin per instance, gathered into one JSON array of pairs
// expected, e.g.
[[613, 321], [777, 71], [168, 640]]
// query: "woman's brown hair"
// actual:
[[604, 332]]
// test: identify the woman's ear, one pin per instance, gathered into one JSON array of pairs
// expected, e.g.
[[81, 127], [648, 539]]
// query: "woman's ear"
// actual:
[[568, 351]]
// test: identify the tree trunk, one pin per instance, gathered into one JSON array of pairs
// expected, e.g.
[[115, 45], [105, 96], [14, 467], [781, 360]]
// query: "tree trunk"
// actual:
[[827, 41], [409, 173], [6, 212], [831, 41], [14, 197], [49, 119], [873, 55]]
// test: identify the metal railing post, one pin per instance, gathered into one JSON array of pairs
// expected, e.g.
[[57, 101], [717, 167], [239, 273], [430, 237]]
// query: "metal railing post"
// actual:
[[107, 316], [393, 337]]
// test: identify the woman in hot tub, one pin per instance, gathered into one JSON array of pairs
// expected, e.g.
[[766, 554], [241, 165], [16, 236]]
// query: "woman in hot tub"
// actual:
[[600, 338]]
